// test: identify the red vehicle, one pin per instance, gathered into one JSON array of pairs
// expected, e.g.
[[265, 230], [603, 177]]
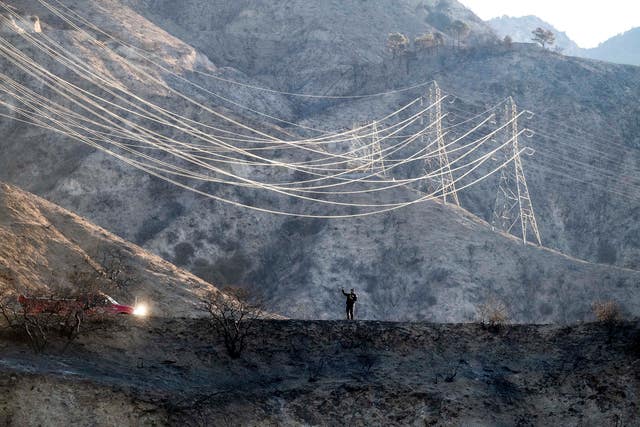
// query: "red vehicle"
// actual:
[[90, 304]]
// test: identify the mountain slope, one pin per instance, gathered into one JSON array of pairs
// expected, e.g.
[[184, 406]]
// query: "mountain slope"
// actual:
[[430, 262], [277, 42], [565, 90], [583, 176], [42, 245], [426, 262]]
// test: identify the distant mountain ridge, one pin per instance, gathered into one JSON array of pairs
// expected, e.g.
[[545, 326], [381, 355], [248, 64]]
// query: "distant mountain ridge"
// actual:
[[519, 29], [621, 49]]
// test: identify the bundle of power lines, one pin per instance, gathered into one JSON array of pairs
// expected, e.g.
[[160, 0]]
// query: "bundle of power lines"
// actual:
[[370, 168]]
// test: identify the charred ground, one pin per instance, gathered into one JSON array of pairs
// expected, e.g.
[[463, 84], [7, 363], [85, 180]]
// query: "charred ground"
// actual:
[[176, 372]]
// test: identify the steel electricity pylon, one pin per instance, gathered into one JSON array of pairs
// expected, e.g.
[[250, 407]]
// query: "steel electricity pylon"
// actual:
[[446, 185], [377, 159], [368, 157], [513, 211]]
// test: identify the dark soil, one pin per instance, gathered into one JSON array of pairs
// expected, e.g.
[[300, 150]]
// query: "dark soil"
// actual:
[[176, 372]]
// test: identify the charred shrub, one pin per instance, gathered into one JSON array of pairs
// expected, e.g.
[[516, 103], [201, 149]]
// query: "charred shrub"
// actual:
[[58, 316], [44, 320], [233, 315], [607, 312], [492, 315]]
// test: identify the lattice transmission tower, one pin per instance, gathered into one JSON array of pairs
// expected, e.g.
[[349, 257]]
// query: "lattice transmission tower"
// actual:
[[513, 207], [445, 184], [369, 158], [377, 159]]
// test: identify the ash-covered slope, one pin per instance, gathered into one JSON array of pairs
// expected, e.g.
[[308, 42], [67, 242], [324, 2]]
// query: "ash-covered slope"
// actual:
[[584, 175], [43, 245], [427, 262], [586, 110], [174, 372], [305, 45]]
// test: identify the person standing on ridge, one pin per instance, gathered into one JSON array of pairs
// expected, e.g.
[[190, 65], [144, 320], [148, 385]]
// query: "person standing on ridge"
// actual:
[[351, 301]]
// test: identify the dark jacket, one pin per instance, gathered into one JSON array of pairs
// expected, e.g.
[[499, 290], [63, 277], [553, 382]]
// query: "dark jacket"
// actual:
[[351, 298]]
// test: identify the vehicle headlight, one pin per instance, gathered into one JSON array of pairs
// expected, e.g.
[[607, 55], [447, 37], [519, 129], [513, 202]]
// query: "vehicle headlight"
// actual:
[[141, 310]]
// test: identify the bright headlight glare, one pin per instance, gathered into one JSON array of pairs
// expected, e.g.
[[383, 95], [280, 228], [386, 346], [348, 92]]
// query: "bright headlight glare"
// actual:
[[140, 310]]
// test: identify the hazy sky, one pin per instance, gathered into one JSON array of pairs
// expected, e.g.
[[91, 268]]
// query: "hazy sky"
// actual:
[[587, 22]]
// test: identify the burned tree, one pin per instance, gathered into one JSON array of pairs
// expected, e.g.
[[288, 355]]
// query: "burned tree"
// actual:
[[44, 319], [397, 44], [55, 316], [438, 40], [234, 313], [507, 42], [116, 271], [543, 37], [425, 42], [461, 30]]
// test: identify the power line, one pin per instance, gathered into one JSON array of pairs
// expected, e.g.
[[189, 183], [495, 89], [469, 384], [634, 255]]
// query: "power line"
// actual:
[[125, 127]]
